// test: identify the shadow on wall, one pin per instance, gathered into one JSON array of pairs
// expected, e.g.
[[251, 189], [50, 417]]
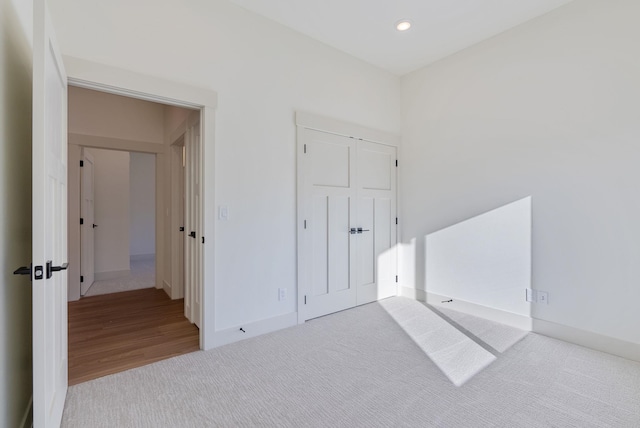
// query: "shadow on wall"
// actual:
[[485, 260]]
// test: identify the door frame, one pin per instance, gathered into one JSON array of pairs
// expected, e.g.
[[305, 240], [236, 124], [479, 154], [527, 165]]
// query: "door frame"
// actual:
[[117, 81], [329, 125], [86, 158], [177, 206]]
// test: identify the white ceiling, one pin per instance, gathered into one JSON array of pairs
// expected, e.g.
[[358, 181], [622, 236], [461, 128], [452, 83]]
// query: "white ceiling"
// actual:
[[366, 28]]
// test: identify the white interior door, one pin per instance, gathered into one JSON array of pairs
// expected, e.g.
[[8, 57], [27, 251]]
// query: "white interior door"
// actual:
[[377, 260], [193, 224], [49, 224], [330, 205], [348, 222], [87, 226]]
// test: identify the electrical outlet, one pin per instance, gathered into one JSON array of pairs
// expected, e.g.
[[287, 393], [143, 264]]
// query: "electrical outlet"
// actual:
[[531, 295], [542, 297], [282, 293]]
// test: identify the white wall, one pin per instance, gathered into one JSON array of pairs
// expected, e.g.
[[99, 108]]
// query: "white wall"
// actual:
[[548, 110], [485, 260], [107, 115], [142, 204], [262, 73], [111, 202], [15, 217]]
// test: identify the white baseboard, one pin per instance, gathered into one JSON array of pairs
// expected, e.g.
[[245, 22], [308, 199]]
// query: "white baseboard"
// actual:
[[113, 274], [503, 317], [588, 339], [253, 329], [27, 419], [167, 288], [610, 345]]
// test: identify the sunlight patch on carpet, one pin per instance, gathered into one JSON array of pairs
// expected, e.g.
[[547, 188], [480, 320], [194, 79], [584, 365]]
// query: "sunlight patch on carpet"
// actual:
[[455, 354]]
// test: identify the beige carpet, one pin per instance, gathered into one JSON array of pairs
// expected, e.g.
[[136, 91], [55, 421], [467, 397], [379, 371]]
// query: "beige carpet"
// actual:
[[361, 368], [143, 275]]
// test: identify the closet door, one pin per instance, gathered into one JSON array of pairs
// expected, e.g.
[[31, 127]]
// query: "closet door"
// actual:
[[376, 263], [347, 222], [329, 250]]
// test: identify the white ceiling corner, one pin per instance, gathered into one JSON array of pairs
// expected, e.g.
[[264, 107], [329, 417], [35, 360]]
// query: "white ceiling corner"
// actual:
[[366, 28]]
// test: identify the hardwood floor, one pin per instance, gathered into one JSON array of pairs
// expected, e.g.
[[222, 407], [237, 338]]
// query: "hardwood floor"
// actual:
[[116, 332]]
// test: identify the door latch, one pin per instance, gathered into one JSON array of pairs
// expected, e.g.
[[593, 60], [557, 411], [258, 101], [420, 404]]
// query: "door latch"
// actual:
[[352, 231], [193, 235], [33, 272]]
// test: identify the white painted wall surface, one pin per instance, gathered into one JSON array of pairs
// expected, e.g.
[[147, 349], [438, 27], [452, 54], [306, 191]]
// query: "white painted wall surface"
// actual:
[[107, 115], [485, 259], [262, 73], [111, 201], [549, 110], [142, 204], [16, 32]]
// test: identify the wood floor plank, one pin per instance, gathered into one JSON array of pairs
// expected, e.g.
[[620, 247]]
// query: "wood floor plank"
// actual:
[[116, 332]]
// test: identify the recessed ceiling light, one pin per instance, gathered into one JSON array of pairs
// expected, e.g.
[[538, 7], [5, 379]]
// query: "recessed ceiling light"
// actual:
[[403, 25]]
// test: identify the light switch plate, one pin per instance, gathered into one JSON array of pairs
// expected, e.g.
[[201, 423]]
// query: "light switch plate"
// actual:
[[223, 212]]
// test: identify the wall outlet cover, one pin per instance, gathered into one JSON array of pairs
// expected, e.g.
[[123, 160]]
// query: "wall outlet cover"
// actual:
[[542, 297]]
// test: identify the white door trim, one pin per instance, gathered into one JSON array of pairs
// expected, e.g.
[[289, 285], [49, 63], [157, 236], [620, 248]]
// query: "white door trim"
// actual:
[[346, 129], [329, 125], [118, 81]]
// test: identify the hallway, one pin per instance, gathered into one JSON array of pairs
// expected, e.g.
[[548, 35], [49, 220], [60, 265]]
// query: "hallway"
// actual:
[[143, 275], [116, 332]]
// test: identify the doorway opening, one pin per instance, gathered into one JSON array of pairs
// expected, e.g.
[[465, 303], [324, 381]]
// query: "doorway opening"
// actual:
[[133, 220], [117, 216]]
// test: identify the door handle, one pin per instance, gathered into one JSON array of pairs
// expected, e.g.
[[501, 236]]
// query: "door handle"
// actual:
[[95, 225], [193, 235], [360, 230], [181, 228], [24, 270], [51, 268]]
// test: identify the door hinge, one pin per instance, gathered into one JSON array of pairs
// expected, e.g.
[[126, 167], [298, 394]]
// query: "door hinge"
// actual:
[[396, 278], [81, 278], [396, 220], [305, 224], [203, 239], [81, 220], [81, 163], [305, 148], [305, 299], [396, 163]]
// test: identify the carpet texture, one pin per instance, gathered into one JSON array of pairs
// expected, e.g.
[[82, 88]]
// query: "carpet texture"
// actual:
[[143, 275], [360, 368]]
